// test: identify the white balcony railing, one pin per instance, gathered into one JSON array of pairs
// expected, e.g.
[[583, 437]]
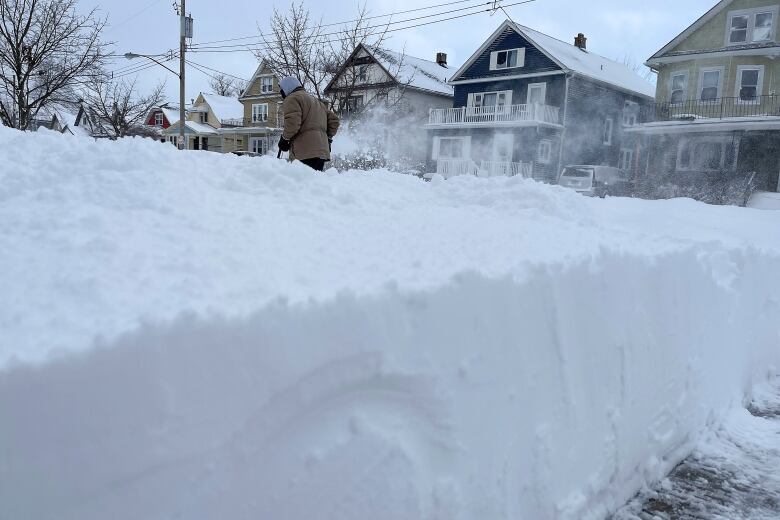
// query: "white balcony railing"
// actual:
[[452, 167], [505, 114]]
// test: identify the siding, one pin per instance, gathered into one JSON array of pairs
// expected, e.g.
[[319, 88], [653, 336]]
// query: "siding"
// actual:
[[535, 60], [556, 89], [590, 104], [712, 35]]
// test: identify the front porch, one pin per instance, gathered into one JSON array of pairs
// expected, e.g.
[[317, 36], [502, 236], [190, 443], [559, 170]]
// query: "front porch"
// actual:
[[452, 167]]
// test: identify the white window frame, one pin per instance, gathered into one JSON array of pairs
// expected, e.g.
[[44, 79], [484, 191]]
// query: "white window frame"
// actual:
[[759, 86], [264, 88], [721, 73], [362, 73], [159, 119], [472, 98], [607, 131], [687, 75], [537, 86], [544, 152], [465, 147], [258, 114], [255, 141], [630, 113], [626, 162], [751, 14], [520, 59], [691, 142], [204, 117]]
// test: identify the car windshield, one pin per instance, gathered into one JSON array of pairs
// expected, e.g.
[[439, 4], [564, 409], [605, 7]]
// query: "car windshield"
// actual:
[[577, 172]]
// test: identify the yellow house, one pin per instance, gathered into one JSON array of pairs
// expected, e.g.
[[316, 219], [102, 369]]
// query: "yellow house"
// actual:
[[206, 118], [255, 131]]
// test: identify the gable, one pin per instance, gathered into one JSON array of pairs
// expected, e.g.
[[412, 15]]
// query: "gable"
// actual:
[[507, 38], [711, 33], [347, 74]]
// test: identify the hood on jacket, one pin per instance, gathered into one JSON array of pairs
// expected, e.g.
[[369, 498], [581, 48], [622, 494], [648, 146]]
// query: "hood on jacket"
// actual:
[[288, 85]]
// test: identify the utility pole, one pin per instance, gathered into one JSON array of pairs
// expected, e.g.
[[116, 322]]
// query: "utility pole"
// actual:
[[182, 50]]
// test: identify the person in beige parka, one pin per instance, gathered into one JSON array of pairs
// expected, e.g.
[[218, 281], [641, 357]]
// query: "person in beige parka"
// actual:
[[309, 127]]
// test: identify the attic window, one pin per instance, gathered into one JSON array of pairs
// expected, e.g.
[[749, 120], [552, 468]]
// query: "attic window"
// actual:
[[266, 84], [158, 119], [508, 59], [751, 25]]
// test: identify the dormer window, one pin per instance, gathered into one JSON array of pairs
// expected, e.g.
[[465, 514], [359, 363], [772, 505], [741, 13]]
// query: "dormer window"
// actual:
[[751, 26], [508, 59]]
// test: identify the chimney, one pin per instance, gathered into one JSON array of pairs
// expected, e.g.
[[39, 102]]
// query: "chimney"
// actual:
[[581, 42], [441, 59]]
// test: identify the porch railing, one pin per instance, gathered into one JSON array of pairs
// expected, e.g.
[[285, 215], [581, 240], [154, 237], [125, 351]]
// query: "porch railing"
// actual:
[[453, 167], [494, 115], [719, 108], [252, 122]]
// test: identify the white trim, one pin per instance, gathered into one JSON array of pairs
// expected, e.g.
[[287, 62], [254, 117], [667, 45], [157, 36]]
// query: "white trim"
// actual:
[[759, 86], [470, 101], [760, 51], [751, 14], [520, 62], [506, 78], [686, 90], [259, 112], [544, 158], [707, 125], [721, 76], [255, 140], [264, 77], [606, 131], [626, 161], [465, 146], [543, 87], [706, 17]]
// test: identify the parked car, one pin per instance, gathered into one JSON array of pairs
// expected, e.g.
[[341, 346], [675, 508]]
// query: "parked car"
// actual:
[[597, 181]]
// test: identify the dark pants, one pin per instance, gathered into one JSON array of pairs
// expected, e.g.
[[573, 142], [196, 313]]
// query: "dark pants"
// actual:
[[316, 163]]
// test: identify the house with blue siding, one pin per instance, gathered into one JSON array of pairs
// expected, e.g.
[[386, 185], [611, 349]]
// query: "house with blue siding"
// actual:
[[527, 104]]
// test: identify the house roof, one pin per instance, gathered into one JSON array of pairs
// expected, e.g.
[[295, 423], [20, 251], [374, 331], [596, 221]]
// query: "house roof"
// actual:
[[573, 59], [706, 17], [224, 107], [415, 72], [196, 127], [68, 120]]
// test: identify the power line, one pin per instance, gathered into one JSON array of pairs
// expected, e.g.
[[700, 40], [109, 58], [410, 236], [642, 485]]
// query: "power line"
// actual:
[[260, 35], [215, 70], [385, 25], [384, 31], [136, 15]]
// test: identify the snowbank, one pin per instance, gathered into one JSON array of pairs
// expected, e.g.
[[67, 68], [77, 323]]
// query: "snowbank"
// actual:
[[191, 335]]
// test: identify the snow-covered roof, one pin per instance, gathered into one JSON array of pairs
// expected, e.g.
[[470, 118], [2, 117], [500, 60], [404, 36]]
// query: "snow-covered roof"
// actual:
[[224, 107], [195, 126], [171, 114], [587, 63], [414, 72], [68, 120]]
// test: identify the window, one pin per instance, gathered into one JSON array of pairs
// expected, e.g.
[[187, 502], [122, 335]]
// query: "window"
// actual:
[[204, 143], [705, 154], [537, 93], [544, 153], [607, 137], [626, 162], [362, 74], [751, 25], [508, 59], [259, 145], [630, 113], [260, 113], [490, 99], [451, 147], [750, 81], [353, 104], [679, 88], [266, 84], [204, 117], [709, 84], [158, 119]]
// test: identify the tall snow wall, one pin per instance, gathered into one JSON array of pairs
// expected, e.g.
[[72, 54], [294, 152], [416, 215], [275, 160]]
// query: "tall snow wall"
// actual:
[[241, 339]]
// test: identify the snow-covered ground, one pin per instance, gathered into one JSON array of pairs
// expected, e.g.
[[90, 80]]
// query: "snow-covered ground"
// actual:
[[765, 200], [733, 474], [192, 335]]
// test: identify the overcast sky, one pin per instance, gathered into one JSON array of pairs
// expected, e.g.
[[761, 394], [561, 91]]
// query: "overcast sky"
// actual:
[[615, 28]]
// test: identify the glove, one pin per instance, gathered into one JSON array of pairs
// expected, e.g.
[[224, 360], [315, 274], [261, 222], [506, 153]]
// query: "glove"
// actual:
[[284, 144]]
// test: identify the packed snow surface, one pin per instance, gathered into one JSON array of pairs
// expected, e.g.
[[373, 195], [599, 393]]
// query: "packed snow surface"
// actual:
[[200, 336]]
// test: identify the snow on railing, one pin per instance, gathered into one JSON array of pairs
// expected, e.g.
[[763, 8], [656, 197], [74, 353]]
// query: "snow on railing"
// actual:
[[494, 114]]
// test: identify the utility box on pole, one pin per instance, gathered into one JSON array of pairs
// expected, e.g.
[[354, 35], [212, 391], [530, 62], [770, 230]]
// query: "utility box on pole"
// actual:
[[188, 23]]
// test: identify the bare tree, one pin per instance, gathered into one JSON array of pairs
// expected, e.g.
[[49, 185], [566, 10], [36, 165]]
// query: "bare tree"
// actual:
[[640, 69], [118, 106], [223, 85], [46, 50], [300, 46]]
